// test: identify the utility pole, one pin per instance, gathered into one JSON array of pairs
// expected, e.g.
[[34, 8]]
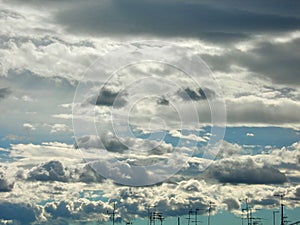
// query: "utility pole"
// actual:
[[150, 213], [113, 213], [274, 217], [209, 210], [246, 209], [281, 207], [189, 218], [196, 212], [178, 220]]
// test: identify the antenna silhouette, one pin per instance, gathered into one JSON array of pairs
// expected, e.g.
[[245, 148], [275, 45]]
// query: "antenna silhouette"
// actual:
[[247, 210], [209, 210], [274, 217], [295, 223], [281, 207], [113, 213]]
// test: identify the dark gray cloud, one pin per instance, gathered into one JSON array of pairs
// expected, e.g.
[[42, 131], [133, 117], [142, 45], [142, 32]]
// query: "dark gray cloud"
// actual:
[[278, 61], [163, 101], [50, 171], [88, 175], [108, 142], [245, 171], [108, 97], [56, 171], [232, 204], [4, 92], [21, 212], [189, 94], [173, 19], [5, 185]]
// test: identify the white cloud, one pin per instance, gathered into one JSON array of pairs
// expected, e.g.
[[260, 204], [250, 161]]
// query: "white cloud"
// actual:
[[59, 127], [28, 127]]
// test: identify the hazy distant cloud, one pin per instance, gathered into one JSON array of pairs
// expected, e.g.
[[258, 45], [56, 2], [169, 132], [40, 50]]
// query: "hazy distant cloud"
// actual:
[[28, 127], [4, 92]]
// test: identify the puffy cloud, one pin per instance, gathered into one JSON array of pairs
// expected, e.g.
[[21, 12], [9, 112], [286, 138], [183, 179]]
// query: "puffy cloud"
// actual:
[[59, 127], [28, 127], [55, 171], [5, 184], [245, 170], [50, 171], [107, 141]]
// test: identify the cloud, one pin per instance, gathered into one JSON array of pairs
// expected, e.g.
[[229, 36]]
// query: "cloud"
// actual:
[[200, 20], [196, 95], [245, 170], [249, 134], [232, 204], [4, 92], [50, 171], [107, 141], [5, 184], [56, 171], [21, 212], [267, 60], [59, 127], [28, 127], [108, 97]]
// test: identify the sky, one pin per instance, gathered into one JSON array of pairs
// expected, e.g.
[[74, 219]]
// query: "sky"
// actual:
[[156, 106]]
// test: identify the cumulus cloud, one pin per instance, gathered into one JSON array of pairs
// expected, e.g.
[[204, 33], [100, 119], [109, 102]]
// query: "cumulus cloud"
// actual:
[[245, 170], [5, 184], [50, 171], [56, 171], [59, 127], [28, 127]]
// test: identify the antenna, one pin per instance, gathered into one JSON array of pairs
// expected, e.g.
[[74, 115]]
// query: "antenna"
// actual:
[[281, 207], [209, 210], [189, 218], [274, 217], [150, 213], [113, 213], [247, 210]]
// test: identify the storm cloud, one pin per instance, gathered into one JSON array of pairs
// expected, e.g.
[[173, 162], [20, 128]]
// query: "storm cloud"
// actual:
[[173, 19]]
